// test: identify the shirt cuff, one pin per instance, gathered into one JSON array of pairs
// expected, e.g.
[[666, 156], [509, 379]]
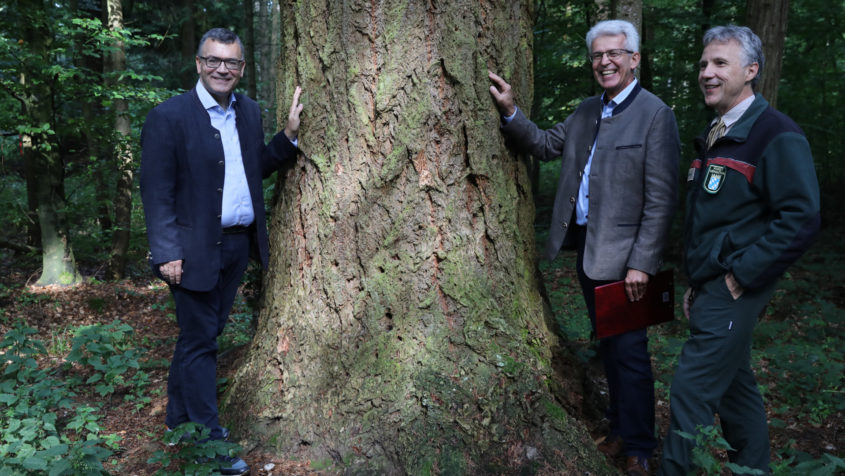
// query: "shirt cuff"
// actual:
[[507, 119]]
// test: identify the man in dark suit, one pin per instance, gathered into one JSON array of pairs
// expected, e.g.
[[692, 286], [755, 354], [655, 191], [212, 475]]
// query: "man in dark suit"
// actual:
[[203, 160], [615, 200]]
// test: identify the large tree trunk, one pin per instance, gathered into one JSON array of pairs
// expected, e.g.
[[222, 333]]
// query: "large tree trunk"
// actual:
[[402, 329], [122, 152], [41, 151], [768, 18]]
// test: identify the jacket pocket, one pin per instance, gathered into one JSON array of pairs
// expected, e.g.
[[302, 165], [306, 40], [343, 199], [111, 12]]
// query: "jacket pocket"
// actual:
[[631, 146]]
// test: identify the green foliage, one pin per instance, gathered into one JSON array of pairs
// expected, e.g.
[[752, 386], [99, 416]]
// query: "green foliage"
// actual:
[[798, 463], [33, 439], [191, 451], [52, 59], [562, 77], [707, 440], [240, 327], [108, 350]]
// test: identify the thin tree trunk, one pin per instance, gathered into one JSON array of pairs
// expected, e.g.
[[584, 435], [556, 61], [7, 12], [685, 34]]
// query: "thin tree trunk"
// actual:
[[630, 10], [123, 154], [646, 38], [768, 19], [188, 42], [41, 150], [403, 330], [92, 111], [249, 46], [33, 229]]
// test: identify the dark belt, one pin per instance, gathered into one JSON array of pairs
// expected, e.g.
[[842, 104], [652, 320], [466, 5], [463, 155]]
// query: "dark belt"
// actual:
[[232, 230]]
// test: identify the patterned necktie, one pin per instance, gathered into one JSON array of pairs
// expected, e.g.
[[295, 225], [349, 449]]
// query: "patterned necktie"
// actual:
[[715, 132]]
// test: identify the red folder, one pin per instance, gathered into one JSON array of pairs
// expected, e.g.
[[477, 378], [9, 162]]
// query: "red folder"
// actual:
[[616, 315]]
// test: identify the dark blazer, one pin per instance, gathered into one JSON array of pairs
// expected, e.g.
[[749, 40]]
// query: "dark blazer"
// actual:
[[633, 180], [182, 171]]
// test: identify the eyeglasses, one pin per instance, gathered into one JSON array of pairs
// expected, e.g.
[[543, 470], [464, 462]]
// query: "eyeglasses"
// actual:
[[213, 62], [611, 54]]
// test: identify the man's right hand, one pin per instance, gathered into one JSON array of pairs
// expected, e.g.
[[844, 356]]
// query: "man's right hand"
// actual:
[[687, 302], [502, 95], [171, 272], [292, 127]]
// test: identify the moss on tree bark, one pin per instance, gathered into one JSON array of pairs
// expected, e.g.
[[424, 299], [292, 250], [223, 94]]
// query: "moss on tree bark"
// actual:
[[402, 328]]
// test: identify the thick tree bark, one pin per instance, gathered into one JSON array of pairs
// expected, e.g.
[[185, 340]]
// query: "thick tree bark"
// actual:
[[123, 154], [768, 19], [41, 151], [402, 329]]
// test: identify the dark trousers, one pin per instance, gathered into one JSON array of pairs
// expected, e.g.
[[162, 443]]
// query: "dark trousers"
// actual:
[[714, 376], [201, 316], [627, 366]]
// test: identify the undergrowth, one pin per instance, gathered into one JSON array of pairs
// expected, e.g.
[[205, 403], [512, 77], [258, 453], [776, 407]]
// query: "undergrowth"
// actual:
[[797, 354]]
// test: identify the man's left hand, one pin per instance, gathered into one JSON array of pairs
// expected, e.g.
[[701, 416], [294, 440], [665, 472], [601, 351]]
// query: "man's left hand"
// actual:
[[635, 284], [733, 285], [292, 128]]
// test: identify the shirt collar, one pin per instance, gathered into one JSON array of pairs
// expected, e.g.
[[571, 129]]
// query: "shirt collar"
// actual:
[[620, 98], [736, 112], [208, 102]]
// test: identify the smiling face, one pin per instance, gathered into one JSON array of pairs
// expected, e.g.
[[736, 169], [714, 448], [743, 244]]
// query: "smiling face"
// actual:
[[613, 75], [723, 78], [220, 81]]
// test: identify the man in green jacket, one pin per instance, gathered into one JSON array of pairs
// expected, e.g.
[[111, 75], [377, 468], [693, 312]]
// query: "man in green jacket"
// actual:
[[752, 210]]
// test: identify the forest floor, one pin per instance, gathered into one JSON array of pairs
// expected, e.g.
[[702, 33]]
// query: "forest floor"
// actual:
[[798, 354]]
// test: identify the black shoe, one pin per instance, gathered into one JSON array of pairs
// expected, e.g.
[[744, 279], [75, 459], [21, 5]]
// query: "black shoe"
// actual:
[[232, 465]]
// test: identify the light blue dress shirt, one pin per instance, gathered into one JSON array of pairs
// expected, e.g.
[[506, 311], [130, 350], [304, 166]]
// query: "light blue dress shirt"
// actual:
[[237, 203], [582, 206]]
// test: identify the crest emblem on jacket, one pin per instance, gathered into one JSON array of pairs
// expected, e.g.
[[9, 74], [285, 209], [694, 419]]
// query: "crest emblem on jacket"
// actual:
[[715, 178]]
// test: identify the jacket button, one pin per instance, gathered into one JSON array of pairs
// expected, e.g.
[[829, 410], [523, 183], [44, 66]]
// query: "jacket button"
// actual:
[[220, 190], [216, 135], [564, 225], [219, 243], [221, 163], [571, 199]]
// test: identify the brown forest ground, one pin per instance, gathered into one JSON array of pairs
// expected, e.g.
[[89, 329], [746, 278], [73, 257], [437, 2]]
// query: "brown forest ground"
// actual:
[[143, 303]]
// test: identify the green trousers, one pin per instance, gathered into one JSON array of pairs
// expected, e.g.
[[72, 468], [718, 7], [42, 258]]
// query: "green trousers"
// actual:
[[714, 376]]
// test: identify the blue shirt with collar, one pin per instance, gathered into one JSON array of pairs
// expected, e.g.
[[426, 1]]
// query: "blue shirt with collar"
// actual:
[[237, 203], [582, 206]]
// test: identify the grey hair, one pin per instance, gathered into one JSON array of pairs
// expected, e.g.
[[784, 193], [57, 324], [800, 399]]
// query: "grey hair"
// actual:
[[220, 35], [752, 47], [613, 28]]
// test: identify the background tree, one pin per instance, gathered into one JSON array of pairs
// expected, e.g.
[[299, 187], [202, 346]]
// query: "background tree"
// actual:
[[249, 44], [35, 91], [403, 328], [768, 18], [122, 150]]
